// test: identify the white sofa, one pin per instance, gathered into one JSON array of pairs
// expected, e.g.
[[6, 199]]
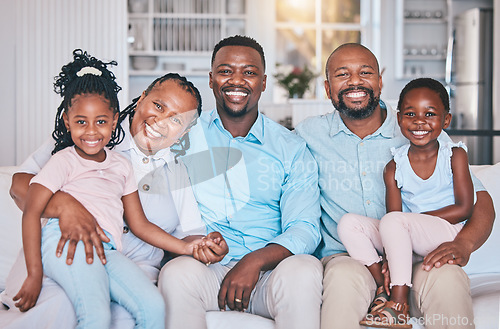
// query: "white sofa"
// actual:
[[483, 267]]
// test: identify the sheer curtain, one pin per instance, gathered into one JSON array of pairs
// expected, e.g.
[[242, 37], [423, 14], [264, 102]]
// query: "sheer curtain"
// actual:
[[46, 32]]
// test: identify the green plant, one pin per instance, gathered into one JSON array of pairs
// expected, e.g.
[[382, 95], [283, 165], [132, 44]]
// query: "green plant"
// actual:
[[294, 79]]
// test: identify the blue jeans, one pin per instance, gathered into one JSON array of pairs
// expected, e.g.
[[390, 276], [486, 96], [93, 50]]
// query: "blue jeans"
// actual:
[[91, 287]]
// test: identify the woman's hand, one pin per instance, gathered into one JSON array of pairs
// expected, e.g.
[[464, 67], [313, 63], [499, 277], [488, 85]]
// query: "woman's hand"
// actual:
[[75, 221], [212, 249], [77, 224]]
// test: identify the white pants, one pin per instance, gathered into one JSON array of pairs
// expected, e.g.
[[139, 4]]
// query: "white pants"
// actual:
[[400, 234], [290, 294]]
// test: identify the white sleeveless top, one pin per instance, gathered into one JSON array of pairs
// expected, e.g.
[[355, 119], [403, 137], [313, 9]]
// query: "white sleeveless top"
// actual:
[[422, 195]]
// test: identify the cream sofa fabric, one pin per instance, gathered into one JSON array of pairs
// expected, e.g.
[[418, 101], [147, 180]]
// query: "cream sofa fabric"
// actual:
[[483, 268]]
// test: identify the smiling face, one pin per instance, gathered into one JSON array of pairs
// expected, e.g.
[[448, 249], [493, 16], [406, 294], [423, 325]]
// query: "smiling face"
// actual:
[[162, 117], [237, 80], [422, 116], [353, 83], [90, 121]]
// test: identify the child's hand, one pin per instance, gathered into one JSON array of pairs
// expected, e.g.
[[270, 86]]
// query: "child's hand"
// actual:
[[212, 249], [191, 246], [216, 237], [28, 294]]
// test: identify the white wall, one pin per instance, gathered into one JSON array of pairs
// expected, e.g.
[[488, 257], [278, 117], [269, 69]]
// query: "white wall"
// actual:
[[39, 39], [260, 27], [7, 90]]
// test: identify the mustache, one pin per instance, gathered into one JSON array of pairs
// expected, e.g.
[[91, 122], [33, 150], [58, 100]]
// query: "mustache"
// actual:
[[345, 91], [239, 88]]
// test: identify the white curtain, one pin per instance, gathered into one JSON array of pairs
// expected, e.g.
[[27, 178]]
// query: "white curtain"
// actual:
[[47, 32]]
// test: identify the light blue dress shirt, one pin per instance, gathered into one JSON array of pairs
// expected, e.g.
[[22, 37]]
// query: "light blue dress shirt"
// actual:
[[350, 170], [255, 190]]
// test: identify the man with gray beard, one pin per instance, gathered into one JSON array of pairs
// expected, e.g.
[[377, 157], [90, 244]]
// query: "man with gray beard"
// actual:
[[357, 136]]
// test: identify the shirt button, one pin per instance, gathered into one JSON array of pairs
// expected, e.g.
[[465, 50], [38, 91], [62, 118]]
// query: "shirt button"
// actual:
[[361, 144], [145, 160], [126, 229], [363, 173], [368, 202], [145, 187]]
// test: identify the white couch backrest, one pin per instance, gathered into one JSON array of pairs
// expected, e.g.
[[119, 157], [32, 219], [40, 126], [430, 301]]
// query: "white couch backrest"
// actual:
[[485, 259], [10, 226]]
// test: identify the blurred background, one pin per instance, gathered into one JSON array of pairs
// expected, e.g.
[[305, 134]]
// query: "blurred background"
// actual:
[[148, 38]]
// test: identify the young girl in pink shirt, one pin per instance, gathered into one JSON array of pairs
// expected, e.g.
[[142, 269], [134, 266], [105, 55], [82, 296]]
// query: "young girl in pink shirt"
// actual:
[[102, 181]]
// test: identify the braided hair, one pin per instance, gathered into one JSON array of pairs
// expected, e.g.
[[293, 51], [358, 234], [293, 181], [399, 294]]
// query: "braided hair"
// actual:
[[180, 148], [84, 75]]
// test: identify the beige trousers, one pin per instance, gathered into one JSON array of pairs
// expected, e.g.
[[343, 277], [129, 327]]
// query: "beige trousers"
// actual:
[[439, 298], [290, 294]]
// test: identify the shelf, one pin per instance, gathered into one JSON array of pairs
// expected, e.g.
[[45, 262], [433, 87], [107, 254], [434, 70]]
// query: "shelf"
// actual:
[[158, 73], [180, 33], [425, 21], [414, 76], [165, 53], [422, 32], [187, 15], [424, 58]]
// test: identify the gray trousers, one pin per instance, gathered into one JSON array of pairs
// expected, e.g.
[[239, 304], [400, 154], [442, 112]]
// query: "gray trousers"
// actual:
[[290, 294], [439, 298]]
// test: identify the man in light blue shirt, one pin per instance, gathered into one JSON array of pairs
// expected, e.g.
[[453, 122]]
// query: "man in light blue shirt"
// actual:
[[352, 146], [257, 184], [351, 169]]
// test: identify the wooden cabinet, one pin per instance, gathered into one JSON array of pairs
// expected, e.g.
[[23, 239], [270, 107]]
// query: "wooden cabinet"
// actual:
[[179, 35]]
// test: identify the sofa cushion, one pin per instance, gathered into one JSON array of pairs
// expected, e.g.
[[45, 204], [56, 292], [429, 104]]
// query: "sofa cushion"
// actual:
[[228, 320], [10, 223], [485, 259]]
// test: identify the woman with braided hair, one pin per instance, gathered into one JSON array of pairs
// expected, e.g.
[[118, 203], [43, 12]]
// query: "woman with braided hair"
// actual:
[[154, 123]]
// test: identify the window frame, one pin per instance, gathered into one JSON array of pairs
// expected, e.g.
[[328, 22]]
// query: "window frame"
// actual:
[[369, 28]]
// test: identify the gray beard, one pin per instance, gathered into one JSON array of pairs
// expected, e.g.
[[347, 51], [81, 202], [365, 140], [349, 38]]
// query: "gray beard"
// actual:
[[353, 113]]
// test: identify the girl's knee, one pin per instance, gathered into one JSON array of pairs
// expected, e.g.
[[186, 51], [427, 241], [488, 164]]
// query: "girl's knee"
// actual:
[[348, 223], [390, 220]]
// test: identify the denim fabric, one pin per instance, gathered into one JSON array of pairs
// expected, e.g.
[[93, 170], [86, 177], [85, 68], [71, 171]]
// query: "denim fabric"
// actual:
[[91, 287]]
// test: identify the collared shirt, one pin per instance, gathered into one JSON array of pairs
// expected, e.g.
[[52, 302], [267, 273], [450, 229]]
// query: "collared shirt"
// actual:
[[255, 190], [98, 186], [165, 192], [350, 170]]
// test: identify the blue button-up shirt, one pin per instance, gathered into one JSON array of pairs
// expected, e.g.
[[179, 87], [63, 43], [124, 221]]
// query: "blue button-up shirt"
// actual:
[[255, 190], [350, 170]]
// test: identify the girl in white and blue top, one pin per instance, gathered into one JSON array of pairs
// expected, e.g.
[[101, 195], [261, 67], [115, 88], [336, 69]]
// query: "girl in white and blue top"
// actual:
[[429, 195]]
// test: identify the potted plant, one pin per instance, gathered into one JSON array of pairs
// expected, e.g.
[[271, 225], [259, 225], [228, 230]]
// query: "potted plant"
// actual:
[[294, 79]]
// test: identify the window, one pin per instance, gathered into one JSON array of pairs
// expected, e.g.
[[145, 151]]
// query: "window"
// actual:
[[308, 31]]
